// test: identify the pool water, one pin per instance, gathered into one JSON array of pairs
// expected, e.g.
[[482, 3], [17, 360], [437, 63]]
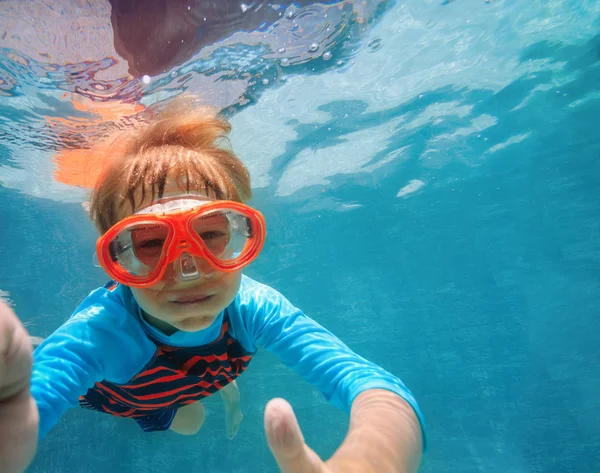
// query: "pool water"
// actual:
[[433, 200]]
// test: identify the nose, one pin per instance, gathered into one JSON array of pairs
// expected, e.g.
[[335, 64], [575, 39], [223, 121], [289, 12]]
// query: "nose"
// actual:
[[188, 268]]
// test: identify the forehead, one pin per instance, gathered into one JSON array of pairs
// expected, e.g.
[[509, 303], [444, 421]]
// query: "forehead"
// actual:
[[177, 202], [172, 190]]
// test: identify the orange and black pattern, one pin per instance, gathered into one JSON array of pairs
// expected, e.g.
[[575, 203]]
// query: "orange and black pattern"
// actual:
[[175, 377]]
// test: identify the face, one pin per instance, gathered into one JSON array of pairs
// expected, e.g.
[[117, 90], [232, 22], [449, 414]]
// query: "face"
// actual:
[[189, 306]]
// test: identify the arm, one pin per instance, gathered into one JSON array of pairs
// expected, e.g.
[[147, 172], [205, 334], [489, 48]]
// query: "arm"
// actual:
[[384, 436], [18, 413], [102, 341], [384, 414]]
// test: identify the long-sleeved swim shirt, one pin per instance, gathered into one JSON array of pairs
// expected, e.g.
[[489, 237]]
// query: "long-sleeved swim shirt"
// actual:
[[108, 339]]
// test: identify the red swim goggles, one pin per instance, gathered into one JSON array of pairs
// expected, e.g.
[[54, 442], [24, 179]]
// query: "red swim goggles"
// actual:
[[137, 250]]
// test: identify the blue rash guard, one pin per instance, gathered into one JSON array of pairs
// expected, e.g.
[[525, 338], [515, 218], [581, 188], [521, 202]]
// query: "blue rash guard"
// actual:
[[106, 357]]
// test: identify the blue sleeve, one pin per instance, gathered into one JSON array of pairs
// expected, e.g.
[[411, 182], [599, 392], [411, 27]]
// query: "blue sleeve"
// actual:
[[101, 341], [312, 351]]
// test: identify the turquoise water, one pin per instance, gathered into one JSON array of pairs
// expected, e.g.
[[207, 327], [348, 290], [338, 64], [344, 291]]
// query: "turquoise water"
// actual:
[[433, 200]]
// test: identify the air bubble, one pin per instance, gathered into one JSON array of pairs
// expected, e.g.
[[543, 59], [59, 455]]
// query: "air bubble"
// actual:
[[313, 48], [244, 7], [146, 79], [285, 61], [327, 56], [374, 45], [174, 74], [265, 81], [281, 50]]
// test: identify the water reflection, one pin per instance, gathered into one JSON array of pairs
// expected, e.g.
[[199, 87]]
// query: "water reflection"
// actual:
[[72, 72], [125, 49]]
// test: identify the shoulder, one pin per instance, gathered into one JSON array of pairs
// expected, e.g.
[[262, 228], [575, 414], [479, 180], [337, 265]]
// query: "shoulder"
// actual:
[[107, 313], [100, 331], [254, 306], [255, 295], [111, 302], [258, 304]]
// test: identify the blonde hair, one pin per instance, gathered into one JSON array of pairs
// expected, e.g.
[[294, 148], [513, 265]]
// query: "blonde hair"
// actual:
[[185, 143]]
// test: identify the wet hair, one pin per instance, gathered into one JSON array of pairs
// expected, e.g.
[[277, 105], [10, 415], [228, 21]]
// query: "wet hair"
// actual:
[[183, 143]]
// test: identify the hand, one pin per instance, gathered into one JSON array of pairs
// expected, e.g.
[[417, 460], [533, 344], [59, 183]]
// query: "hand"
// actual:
[[287, 443], [384, 436], [18, 413]]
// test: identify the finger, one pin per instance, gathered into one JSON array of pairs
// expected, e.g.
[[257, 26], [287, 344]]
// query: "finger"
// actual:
[[286, 441]]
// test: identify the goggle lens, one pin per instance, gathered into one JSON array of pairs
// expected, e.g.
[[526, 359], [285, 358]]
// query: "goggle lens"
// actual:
[[225, 233], [139, 248]]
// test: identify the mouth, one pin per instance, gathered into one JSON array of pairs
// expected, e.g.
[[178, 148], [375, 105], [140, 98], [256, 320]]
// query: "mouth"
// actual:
[[191, 299]]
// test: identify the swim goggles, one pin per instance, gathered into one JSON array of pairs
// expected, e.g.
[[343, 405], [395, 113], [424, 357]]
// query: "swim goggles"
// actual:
[[137, 250]]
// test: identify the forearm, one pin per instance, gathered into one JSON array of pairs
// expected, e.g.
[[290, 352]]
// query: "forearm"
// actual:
[[18, 412], [384, 436], [18, 432]]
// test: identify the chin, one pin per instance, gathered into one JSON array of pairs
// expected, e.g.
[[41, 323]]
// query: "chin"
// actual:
[[194, 324]]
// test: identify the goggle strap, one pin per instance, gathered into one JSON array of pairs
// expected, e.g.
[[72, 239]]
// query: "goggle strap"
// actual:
[[95, 260], [249, 233]]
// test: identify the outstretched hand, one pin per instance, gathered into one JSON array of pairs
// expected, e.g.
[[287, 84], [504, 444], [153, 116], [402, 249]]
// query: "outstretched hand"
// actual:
[[18, 413], [384, 436], [287, 443]]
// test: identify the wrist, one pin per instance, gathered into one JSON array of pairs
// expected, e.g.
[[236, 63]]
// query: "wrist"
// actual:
[[365, 450], [384, 436]]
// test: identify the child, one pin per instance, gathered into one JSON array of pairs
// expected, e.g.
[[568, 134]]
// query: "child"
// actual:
[[179, 321]]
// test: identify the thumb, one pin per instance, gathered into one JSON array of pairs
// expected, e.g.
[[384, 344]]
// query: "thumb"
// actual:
[[286, 441]]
